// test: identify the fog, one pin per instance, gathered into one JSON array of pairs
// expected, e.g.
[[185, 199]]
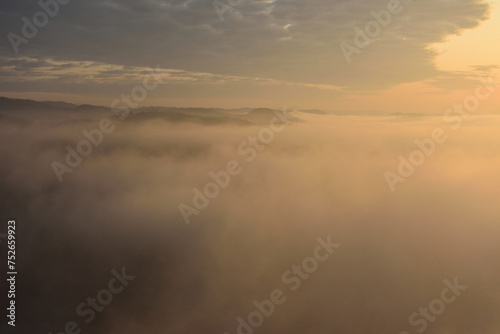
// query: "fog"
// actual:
[[320, 176]]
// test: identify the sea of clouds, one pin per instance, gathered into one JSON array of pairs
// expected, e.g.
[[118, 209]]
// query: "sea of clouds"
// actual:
[[321, 176]]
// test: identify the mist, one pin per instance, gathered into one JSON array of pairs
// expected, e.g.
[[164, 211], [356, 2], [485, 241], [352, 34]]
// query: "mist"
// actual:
[[321, 176]]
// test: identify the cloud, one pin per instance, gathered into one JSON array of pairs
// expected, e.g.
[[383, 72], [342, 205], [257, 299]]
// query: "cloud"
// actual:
[[290, 41], [484, 68], [29, 73], [318, 177]]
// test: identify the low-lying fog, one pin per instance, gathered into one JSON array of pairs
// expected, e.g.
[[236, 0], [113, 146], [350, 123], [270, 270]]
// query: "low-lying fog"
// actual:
[[317, 176]]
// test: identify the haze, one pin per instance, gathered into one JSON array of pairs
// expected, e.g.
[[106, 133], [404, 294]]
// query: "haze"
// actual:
[[247, 172]]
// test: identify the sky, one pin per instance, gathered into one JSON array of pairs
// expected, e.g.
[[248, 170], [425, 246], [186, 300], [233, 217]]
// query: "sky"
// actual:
[[429, 55]]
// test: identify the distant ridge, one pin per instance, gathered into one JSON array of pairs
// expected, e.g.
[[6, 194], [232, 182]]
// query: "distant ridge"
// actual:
[[8, 104], [62, 111]]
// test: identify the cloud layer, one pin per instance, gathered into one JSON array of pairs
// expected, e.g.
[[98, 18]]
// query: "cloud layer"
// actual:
[[322, 176], [287, 41]]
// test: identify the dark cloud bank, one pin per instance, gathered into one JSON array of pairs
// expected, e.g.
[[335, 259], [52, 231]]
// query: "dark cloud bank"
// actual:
[[294, 41], [320, 176]]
